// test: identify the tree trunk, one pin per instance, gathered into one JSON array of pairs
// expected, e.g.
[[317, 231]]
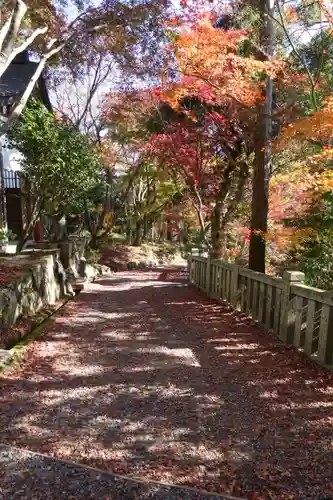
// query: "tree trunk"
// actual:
[[145, 228], [93, 242], [26, 234], [138, 234], [257, 250], [128, 236], [217, 237], [32, 218], [262, 162]]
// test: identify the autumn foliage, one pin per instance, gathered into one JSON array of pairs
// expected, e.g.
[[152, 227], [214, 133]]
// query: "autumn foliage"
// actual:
[[198, 124], [210, 68]]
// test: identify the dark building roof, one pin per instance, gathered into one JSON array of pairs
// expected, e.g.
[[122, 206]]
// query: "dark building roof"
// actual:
[[16, 78]]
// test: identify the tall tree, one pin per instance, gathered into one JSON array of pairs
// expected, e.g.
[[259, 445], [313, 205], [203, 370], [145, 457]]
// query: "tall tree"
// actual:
[[205, 149], [78, 97], [262, 163], [129, 31], [57, 162]]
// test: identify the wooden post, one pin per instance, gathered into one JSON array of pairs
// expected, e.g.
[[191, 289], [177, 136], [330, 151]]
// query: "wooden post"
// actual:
[[208, 276], [327, 358], [234, 286], [287, 313], [189, 268]]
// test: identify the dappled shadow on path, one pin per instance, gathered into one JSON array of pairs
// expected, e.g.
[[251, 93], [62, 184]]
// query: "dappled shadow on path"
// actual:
[[142, 375], [28, 475]]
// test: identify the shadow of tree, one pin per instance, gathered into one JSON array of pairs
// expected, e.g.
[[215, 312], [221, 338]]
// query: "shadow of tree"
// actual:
[[144, 376]]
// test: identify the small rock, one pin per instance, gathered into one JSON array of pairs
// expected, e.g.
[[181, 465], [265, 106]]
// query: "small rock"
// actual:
[[5, 357]]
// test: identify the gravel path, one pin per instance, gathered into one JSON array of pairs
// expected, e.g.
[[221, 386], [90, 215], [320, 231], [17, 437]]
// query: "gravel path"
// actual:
[[29, 475], [143, 376]]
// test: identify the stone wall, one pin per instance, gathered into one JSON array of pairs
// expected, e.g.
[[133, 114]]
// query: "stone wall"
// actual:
[[41, 283], [47, 276], [72, 251]]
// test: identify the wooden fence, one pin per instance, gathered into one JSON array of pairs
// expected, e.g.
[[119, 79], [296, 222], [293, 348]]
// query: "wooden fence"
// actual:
[[298, 314]]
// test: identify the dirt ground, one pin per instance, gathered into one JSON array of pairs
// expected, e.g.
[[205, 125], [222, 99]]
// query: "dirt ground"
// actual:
[[143, 376]]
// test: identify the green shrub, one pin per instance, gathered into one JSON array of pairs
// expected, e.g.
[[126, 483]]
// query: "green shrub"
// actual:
[[93, 256], [317, 261]]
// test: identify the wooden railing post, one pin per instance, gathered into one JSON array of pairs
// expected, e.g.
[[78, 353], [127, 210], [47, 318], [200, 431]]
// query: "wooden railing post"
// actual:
[[234, 286], [208, 275], [189, 267], [327, 357], [287, 313]]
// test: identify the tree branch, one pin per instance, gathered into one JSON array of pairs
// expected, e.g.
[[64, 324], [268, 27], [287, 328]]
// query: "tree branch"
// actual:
[[99, 79], [5, 61], [242, 178], [298, 54], [16, 19], [54, 46], [4, 30], [18, 108]]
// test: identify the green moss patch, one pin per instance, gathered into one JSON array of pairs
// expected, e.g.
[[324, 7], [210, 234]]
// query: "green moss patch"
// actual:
[[29, 330]]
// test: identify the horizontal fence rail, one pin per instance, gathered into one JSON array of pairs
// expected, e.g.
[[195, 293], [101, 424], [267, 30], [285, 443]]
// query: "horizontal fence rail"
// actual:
[[298, 314]]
